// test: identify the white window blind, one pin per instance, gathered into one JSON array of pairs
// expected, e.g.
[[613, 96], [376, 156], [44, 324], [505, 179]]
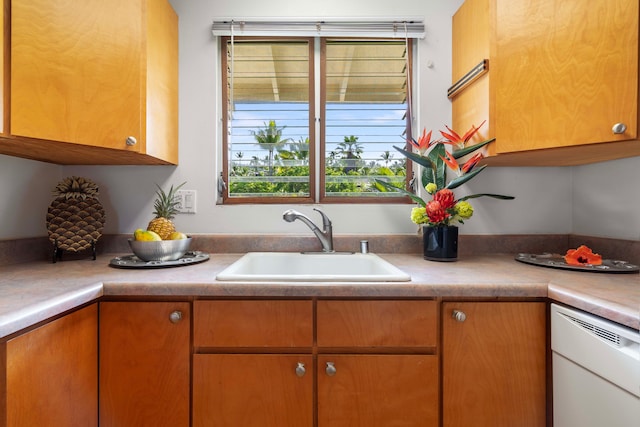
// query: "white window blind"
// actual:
[[325, 27]]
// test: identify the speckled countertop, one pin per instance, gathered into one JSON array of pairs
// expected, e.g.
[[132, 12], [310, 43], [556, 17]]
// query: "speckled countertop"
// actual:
[[35, 291]]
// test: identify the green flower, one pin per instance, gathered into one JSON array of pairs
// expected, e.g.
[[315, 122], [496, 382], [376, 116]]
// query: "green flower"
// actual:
[[431, 188], [419, 215], [464, 209]]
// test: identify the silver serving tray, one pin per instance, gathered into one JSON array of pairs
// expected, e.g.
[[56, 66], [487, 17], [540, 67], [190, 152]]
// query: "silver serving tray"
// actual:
[[132, 261], [557, 261]]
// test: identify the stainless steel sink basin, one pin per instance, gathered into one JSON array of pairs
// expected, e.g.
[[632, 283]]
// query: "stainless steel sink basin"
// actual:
[[312, 267]]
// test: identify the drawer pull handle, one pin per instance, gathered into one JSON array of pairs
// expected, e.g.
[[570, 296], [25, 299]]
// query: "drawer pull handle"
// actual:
[[300, 369], [331, 369], [459, 315], [475, 73], [619, 128], [175, 316], [131, 141]]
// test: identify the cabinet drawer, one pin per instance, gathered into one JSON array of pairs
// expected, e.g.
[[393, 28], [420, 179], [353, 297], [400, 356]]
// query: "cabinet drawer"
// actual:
[[253, 323], [377, 323]]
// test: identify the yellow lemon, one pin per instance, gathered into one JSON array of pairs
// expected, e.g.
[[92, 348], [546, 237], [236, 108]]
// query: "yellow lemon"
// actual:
[[138, 234], [146, 235], [176, 235]]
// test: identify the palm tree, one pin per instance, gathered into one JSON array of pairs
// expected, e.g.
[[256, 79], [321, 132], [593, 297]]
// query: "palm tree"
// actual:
[[296, 151], [270, 138], [386, 158], [350, 150]]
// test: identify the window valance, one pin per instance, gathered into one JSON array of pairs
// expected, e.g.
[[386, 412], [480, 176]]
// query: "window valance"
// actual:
[[330, 27]]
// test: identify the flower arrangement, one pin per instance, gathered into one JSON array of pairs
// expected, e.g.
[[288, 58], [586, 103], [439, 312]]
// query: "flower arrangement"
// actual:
[[443, 208]]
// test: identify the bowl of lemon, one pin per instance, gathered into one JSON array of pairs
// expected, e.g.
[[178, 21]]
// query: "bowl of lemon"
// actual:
[[148, 246]]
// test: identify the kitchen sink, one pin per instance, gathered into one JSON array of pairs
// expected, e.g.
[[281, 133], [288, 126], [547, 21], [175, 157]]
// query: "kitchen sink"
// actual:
[[312, 267]]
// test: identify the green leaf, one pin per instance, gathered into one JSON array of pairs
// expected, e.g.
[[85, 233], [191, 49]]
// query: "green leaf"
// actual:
[[427, 177], [421, 160], [391, 187], [495, 196], [457, 182], [463, 152], [440, 168]]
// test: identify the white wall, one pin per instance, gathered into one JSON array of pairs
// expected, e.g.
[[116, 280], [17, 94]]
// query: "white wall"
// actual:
[[545, 197], [25, 194], [606, 199]]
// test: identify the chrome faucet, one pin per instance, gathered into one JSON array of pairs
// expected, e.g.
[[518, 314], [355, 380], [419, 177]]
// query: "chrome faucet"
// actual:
[[325, 235]]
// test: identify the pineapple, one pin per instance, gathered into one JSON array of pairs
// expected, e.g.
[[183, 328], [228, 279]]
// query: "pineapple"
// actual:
[[165, 209], [75, 217]]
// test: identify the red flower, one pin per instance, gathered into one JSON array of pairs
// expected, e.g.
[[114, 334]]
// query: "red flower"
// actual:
[[446, 198], [455, 139], [451, 161], [423, 143], [435, 211], [582, 256], [469, 164]]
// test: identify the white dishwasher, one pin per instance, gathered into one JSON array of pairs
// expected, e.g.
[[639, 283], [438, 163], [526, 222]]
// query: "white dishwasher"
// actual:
[[596, 371]]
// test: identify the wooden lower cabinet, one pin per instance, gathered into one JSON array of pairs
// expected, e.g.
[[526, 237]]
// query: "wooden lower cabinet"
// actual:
[[369, 363], [494, 364], [252, 390], [144, 364], [322, 363], [51, 376], [384, 372], [378, 390]]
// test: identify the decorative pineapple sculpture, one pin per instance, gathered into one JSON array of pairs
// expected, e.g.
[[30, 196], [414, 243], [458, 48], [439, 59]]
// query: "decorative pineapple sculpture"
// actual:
[[75, 217], [165, 207]]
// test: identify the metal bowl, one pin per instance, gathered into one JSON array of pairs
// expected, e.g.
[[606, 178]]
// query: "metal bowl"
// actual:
[[162, 250]]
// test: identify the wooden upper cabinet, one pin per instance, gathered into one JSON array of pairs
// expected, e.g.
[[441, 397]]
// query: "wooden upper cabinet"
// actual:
[[472, 37], [88, 77], [567, 72], [561, 76]]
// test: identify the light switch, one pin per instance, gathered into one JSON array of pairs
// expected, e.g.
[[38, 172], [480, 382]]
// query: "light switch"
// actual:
[[186, 201]]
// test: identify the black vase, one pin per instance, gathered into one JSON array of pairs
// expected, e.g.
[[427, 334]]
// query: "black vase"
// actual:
[[440, 243]]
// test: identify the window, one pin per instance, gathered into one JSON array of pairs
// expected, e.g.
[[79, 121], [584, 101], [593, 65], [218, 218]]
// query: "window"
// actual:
[[314, 119]]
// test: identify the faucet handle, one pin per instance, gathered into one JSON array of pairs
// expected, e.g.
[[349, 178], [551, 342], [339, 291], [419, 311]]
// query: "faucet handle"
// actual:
[[326, 222]]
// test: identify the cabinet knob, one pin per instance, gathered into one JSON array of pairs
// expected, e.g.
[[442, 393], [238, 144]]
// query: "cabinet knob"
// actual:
[[331, 369], [459, 315], [131, 141], [300, 369], [175, 316], [619, 128]]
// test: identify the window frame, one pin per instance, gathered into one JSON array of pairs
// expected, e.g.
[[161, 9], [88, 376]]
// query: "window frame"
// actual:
[[317, 152]]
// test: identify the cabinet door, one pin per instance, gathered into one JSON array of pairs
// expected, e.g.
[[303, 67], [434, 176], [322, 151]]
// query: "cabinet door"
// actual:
[[52, 373], [144, 363], [252, 390], [471, 41], [567, 76], [76, 71], [378, 390], [494, 364]]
